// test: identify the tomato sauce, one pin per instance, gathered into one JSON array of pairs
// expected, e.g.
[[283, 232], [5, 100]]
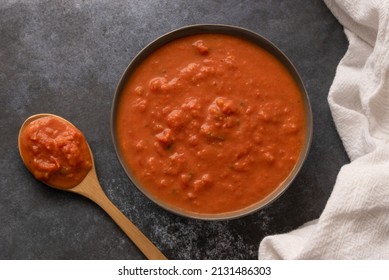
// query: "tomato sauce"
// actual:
[[210, 123], [55, 152]]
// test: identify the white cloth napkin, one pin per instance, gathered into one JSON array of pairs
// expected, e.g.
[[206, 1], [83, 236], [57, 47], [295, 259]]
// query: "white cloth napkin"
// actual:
[[355, 221]]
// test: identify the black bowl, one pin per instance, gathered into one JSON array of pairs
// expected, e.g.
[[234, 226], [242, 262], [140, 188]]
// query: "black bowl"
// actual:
[[228, 30]]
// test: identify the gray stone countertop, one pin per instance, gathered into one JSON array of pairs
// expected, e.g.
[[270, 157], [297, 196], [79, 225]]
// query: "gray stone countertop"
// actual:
[[66, 57]]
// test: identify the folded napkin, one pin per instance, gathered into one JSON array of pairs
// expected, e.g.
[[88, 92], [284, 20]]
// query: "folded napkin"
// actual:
[[355, 221]]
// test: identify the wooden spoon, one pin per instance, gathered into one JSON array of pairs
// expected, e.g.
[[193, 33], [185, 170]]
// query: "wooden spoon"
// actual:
[[91, 189]]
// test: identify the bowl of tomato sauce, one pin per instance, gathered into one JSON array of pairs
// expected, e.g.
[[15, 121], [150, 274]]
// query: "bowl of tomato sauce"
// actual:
[[211, 122]]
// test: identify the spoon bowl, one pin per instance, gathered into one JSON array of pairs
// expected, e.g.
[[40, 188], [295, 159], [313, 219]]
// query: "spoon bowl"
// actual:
[[90, 188]]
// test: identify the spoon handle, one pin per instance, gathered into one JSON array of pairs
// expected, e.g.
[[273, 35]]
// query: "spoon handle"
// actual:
[[91, 189]]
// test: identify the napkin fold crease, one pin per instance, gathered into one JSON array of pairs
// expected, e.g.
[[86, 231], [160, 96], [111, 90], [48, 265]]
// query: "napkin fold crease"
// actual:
[[355, 221]]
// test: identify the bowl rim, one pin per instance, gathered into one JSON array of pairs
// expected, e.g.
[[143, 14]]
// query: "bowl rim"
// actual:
[[237, 32]]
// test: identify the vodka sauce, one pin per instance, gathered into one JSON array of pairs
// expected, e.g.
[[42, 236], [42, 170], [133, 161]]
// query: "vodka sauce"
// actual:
[[210, 123], [55, 152]]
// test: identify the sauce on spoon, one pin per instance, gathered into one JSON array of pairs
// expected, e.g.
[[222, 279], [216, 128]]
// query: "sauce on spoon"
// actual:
[[56, 152]]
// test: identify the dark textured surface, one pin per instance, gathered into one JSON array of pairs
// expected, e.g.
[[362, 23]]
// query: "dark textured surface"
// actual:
[[66, 57]]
